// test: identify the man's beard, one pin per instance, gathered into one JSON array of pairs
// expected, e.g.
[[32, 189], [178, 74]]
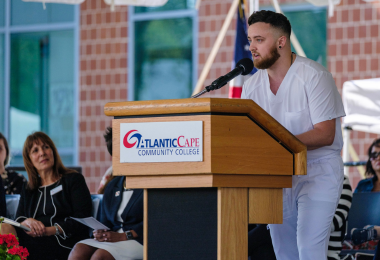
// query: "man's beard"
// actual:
[[267, 62]]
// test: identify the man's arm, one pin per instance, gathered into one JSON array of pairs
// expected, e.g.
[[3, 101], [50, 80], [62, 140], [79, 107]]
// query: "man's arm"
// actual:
[[323, 134]]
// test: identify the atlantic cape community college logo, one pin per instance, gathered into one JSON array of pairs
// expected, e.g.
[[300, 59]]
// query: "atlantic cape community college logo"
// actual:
[[161, 141]]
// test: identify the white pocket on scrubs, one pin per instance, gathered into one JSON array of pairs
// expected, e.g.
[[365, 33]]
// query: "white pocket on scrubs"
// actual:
[[298, 122]]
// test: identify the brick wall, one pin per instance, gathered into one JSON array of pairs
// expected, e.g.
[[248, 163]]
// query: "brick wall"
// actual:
[[211, 18], [353, 50], [353, 53], [103, 78]]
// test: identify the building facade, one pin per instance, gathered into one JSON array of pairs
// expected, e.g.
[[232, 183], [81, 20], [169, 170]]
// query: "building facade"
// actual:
[[91, 56]]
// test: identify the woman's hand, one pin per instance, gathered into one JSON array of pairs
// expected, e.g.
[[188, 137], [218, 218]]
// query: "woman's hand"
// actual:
[[108, 236], [37, 229]]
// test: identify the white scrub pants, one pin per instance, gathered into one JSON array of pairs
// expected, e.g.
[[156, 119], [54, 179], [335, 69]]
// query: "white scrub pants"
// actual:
[[308, 210]]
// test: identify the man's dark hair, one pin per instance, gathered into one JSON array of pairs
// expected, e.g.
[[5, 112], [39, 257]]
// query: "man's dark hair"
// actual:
[[276, 20], [108, 138]]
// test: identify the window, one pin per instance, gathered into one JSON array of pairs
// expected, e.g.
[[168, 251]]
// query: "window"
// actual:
[[310, 27], [39, 74], [163, 51], [2, 92]]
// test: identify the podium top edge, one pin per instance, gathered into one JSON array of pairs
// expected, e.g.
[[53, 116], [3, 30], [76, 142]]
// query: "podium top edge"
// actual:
[[178, 106], [208, 105]]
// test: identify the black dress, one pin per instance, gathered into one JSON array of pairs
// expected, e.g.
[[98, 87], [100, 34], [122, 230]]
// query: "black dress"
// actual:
[[3, 204], [55, 204], [44, 212]]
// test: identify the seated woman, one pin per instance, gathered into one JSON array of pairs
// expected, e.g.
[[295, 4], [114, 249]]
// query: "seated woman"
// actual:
[[372, 183], [4, 158], [107, 177], [52, 195], [12, 181], [122, 212]]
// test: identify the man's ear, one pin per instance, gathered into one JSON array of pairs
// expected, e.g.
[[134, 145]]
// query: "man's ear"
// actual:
[[282, 41]]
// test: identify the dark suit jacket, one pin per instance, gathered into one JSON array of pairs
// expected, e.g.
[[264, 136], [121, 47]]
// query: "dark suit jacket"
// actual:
[[3, 203], [74, 200], [133, 213]]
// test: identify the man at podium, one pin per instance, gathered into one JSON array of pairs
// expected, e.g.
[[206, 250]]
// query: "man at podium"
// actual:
[[301, 95]]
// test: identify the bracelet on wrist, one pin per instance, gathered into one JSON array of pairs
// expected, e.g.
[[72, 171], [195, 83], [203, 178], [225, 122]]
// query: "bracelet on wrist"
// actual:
[[129, 234], [57, 230]]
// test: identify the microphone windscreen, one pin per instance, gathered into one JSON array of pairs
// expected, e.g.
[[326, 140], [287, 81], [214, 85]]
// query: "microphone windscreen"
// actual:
[[247, 64]]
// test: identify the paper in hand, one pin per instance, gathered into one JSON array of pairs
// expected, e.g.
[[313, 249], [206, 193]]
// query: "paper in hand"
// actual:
[[15, 223], [92, 223]]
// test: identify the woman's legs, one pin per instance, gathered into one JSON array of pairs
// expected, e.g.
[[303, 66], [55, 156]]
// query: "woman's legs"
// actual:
[[102, 254], [81, 252]]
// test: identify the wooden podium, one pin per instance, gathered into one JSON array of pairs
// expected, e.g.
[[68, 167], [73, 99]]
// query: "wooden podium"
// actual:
[[201, 210]]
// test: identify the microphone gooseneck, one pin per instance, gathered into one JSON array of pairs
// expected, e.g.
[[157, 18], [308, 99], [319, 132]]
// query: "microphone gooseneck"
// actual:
[[243, 67]]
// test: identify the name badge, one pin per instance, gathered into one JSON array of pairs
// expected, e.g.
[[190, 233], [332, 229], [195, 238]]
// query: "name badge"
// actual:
[[56, 190]]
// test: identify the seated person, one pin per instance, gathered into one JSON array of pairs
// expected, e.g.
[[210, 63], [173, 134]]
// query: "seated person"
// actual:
[[108, 174], [12, 181], [4, 158], [368, 233], [260, 243], [122, 212], [372, 183], [338, 226], [52, 195]]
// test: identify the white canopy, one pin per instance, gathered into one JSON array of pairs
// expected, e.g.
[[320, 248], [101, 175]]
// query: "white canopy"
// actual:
[[361, 100], [109, 2]]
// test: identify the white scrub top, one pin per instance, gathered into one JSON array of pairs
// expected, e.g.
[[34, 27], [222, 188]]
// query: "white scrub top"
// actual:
[[307, 96]]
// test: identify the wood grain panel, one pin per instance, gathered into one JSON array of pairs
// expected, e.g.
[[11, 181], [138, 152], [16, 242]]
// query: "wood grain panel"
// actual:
[[300, 163], [177, 106], [166, 168], [259, 181], [232, 223], [240, 146], [145, 224], [265, 206], [216, 180]]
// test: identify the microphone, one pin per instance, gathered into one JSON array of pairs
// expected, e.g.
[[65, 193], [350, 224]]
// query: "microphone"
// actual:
[[244, 67]]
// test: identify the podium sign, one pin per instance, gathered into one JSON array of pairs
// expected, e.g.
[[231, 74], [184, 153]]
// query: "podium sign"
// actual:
[[161, 142]]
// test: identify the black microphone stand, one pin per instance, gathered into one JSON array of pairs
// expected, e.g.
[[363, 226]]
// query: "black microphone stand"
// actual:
[[216, 84], [199, 94], [244, 66]]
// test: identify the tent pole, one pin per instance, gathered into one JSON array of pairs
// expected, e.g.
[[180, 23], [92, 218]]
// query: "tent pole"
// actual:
[[355, 158], [253, 6], [216, 46], [197, 4], [345, 151]]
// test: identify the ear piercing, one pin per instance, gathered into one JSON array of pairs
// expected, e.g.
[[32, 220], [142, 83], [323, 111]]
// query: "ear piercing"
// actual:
[[279, 47]]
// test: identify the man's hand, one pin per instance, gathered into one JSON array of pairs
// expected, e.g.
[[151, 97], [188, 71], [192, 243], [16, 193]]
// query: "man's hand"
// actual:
[[323, 134], [37, 228], [108, 236]]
